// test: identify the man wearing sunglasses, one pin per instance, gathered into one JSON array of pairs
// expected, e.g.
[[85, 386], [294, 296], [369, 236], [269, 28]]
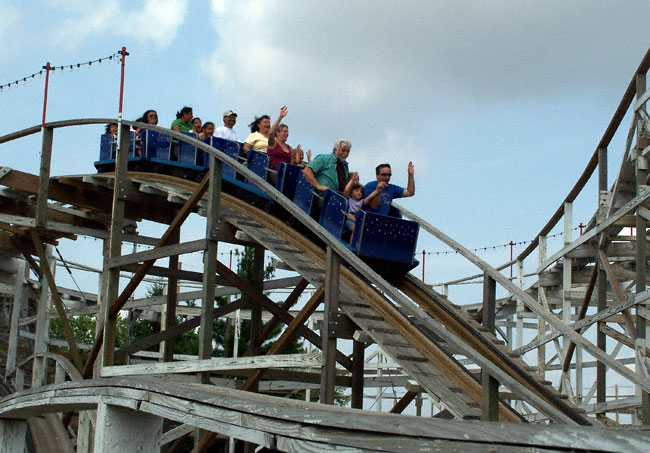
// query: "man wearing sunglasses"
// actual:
[[381, 205]]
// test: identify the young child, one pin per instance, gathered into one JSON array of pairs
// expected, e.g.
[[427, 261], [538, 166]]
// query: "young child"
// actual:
[[354, 193]]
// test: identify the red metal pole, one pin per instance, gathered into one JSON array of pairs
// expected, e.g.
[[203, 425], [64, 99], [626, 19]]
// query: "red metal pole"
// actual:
[[423, 261], [511, 246], [581, 227], [230, 265], [47, 82], [124, 53]]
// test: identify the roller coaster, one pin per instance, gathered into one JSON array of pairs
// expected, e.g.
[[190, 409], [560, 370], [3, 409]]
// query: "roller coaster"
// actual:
[[497, 392]]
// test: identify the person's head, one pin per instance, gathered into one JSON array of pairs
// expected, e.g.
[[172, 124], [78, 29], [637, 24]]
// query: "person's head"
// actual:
[[111, 128], [383, 172], [185, 115], [196, 122], [282, 134], [229, 119], [149, 117], [208, 129], [356, 192], [261, 124], [300, 154], [342, 149]]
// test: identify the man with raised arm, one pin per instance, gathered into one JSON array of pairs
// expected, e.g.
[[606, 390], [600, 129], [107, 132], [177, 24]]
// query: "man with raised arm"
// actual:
[[381, 205], [330, 170]]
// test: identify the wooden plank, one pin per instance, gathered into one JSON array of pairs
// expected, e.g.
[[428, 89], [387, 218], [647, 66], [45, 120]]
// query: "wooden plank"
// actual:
[[117, 304], [604, 261], [215, 364], [288, 335], [246, 287], [157, 253], [60, 308]]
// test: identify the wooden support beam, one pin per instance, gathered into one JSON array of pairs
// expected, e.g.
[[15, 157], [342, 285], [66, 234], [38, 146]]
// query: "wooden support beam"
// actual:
[[117, 305], [121, 429], [60, 308], [172, 298], [177, 329], [289, 333], [246, 287], [44, 176], [581, 315], [286, 306], [618, 336], [332, 284], [490, 386], [629, 324], [358, 348], [403, 402], [19, 282]]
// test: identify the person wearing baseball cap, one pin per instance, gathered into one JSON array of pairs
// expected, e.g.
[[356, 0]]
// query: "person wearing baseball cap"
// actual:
[[225, 131]]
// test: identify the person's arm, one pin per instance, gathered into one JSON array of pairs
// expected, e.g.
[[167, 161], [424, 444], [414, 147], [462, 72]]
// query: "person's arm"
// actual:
[[373, 200], [354, 179], [311, 179], [176, 127], [410, 187], [245, 147], [274, 128]]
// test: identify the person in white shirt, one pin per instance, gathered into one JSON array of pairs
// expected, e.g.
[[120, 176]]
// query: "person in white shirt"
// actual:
[[225, 131]]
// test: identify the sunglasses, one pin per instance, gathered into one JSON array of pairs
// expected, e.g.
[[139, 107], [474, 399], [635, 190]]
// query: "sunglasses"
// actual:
[[386, 174]]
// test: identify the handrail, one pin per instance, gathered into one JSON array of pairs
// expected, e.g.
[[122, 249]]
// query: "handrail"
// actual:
[[615, 122], [69, 368]]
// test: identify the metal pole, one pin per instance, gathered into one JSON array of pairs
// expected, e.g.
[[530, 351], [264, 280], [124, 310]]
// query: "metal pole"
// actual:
[[47, 82], [124, 53]]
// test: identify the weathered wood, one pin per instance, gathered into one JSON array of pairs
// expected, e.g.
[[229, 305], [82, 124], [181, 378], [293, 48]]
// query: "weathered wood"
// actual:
[[244, 415], [287, 336], [57, 299], [356, 390], [215, 364], [117, 305], [169, 320], [332, 284], [490, 386], [15, 316], [120, 429], [161, 252], [12, 435]]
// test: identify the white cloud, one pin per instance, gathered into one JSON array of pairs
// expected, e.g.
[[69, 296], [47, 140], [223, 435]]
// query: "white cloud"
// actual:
[[154, 22], [9, 20]]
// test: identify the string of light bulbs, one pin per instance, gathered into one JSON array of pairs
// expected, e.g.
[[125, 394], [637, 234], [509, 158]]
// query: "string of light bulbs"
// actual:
[[113, 57]]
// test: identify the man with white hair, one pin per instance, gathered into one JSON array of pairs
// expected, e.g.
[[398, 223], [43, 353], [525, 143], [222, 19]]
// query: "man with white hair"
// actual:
[[225, 131], [330, 170]]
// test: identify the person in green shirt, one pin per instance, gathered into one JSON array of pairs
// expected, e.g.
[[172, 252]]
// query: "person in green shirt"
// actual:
[[183, 121]]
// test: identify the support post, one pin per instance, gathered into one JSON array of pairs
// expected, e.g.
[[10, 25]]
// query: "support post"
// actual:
[[601, 338], [172, 299], [19, 279], [42, 323], [490, 386], [44, 176], [12, 435], [115, 246], [328, 373], [358, 349], [210, 265], [541, 324], [641, 327], [120, 429]]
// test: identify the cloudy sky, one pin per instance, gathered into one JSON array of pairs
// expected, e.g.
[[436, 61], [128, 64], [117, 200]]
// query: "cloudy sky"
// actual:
[[499, 104]]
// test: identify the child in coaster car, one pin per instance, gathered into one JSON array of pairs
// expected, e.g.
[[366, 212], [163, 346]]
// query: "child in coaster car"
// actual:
[[354, 194]]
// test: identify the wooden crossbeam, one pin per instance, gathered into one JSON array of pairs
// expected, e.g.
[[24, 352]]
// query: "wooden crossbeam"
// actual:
[[629, 323], [177, 329], [258, 297], [58, 303], [286, 306], [289, 333], [278, 346], [117, 305], [583, 312], [403, 402]]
